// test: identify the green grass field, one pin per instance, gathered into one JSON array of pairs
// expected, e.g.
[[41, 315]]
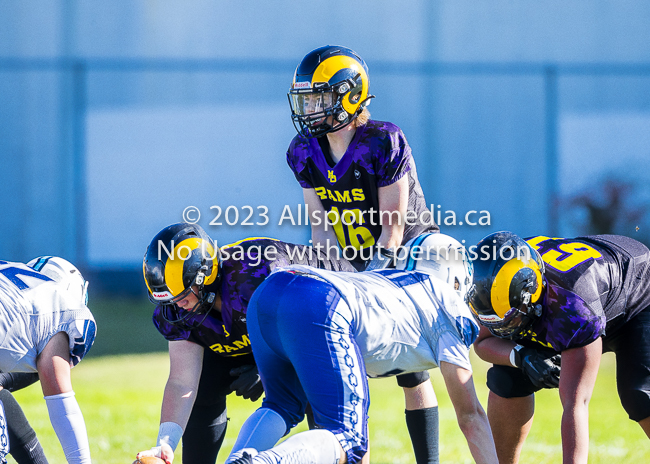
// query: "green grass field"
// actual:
[[120, 397]]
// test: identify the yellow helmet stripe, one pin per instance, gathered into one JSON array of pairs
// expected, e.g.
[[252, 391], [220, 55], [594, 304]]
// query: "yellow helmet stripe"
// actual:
[[334, 64], [500, 292], [210, 251], [176, 262]]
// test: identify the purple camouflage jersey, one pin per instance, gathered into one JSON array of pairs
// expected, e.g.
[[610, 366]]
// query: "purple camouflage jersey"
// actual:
[[244, 266], [595, 284], [377, 156]]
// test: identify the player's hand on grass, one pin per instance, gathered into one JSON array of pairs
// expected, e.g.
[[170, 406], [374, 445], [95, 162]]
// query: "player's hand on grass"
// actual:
[[248, 383], [164, 452], [541, 367]]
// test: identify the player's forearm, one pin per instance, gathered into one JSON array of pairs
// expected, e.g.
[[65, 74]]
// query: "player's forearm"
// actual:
[[494, 350], [68, 423], [575, 433], [478, 434], [391, 236], [16, 381], [178, 401]]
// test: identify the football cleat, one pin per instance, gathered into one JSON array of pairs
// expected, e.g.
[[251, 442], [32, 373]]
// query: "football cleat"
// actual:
[[244, 456]]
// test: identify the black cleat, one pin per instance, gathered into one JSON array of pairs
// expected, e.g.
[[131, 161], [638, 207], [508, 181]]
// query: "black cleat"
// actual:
[[245, 458]]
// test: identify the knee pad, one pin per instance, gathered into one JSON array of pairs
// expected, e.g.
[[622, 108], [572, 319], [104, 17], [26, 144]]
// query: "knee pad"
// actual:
[[509, 382], [636, 402], [412, 379]]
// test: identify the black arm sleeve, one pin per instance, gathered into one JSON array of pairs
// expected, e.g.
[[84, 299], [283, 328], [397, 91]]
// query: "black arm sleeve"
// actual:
[[17, 381]]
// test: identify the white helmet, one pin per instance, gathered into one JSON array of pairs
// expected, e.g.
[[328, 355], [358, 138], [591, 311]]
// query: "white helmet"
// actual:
[[439, 255], [65, 274]]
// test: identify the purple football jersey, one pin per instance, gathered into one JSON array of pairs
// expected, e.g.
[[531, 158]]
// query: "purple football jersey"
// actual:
[[377, 156], [595, 285], [244, 267]]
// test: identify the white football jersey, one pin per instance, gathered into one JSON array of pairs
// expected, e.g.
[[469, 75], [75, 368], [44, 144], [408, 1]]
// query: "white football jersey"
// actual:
[[404, 321], [32, 310]]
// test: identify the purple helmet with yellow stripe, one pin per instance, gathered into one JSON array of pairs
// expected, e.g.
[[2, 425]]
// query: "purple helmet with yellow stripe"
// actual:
[[508, 285], [330, 89]]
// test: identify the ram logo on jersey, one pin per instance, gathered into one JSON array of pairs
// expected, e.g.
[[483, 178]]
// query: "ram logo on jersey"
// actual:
[[231, 348], [346, 196]]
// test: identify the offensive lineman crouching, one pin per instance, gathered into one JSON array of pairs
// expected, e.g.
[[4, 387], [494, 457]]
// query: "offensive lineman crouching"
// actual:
[[575, 297], [379, 323], [201, 310], [47, 328]]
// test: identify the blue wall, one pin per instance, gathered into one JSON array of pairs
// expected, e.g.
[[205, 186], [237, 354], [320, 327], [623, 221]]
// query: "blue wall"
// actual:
[[115, 116]]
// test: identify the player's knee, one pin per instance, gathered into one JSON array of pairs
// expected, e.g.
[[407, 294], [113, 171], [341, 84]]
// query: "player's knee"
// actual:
[[210, 415], [290, 418], [636, 402]]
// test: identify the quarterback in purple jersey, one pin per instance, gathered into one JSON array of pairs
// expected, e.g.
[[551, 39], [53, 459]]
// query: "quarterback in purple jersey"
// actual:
[[361, 188], [350, 188], [202, 294], [546, 300]]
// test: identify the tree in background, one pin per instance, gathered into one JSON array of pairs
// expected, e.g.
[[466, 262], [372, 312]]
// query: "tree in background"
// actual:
[[614, 206]]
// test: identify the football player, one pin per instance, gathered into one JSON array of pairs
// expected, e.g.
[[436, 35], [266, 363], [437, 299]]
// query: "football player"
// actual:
[[316, 334], [48, 329], [361, 188], [544, 297], [25, 447], [202, 294]]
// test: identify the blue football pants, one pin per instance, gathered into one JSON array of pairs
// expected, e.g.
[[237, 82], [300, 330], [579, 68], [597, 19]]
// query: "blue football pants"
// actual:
[[301, 331]]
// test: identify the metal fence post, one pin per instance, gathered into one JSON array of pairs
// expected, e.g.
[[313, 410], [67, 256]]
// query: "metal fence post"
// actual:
[[551, 122]]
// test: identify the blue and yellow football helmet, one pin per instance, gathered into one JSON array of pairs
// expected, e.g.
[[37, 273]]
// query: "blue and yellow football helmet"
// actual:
[[508, 285], [330, 89], [180, 259]]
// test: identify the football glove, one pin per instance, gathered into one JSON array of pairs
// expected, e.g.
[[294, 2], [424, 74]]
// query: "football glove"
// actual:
[[541, 367], [248, 383]]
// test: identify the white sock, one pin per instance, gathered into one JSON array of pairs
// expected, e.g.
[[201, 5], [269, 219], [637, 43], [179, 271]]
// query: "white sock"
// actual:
[[311, 447], [261, 431]]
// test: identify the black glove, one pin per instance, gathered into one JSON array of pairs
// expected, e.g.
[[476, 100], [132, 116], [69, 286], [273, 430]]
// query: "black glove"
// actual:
[[540, 366], [248, 383]]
